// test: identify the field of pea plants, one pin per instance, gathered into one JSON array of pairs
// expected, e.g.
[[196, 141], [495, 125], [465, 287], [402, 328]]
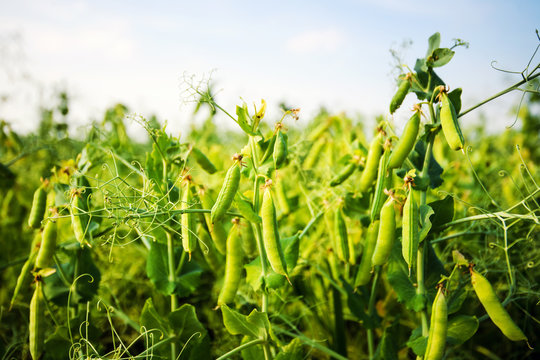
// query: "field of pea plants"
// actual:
[[275, 241]]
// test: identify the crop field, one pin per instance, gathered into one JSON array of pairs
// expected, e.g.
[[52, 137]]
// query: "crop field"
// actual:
[[341, 239]]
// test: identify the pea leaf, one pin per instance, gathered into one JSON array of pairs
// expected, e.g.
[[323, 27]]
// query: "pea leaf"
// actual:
[[152, 321], [434, 169], [440, 57], [388, 346], [244, 119], [191, 334], [425, 212], [417, 342], [443, 211], [157, 269], [434, 42], [255, 325], [455, 98], [252, 352], [461, 328]]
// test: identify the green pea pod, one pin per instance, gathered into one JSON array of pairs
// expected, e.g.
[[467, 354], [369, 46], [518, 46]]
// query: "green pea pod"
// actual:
[[344, 174], [313, 156], [226, 195], [370, 170], [384, 180], [364, 269], [402, 91], [410, 232], [270, 234], [25, 276], [281, 196], [494, 308], [36, 323], [269, 149], [38, 208], [386, 234], [233, 265], [342, 241], [211, 254], [48, 245], [79, 218], [450, 124], [203, 161], [406, 143], [217, 230], [188, 221], [249, 243], [245, 208], [280, 149], [437, 328]]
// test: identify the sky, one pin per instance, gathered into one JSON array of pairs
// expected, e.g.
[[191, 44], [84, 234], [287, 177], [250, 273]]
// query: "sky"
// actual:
[[307, 54]]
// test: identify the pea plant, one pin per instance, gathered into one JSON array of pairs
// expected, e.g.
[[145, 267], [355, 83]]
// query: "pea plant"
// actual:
[[280, 242]]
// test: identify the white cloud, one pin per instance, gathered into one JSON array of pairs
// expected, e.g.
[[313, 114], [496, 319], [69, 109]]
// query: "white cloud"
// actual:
[[325, 40]]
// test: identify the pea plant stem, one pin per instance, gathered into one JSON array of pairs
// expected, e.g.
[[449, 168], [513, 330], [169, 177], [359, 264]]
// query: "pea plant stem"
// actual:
[[258, 236], [371, 311], [172, 279]]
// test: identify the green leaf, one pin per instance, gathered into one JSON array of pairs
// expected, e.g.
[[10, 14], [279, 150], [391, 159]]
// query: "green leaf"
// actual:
[[57, 345], [152, 321], [440, 57], [425, 212], [357, 302], [455, 98], [434, 170], [291, 249], [398, 277], [436, 269], [255, 325], [243, 119], [192, 335], [423, 74], [434, 42], [188, 281], [388, 346], [291, 351], [253, 274], [456, 299], [461, 328], [417, 342], [157, 268], [443, 211]]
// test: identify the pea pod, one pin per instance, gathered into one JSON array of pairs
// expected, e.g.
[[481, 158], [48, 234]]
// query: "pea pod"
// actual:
[[203, 161], [188, 221], [233, 265], [386, 234], [363, 275], [38, 208], [270, 234], [406, 142], [450, 124], [372, 162], [402, 91], [344, 174], [282, 199], [79, 217], [410, 234], [217, 230], [226, 195], [384, 180], [280, 149], [497, 313], [437, 328], [48, 245], [342, 241], [211, 255], [36, 323], [25, 276]]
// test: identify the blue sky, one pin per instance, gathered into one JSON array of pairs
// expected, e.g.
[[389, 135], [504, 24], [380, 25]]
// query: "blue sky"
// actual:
[[307, 53]]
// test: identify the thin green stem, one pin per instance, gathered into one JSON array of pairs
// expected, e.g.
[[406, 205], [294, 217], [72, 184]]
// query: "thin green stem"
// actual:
[[241, 347], [501, 93], [371, 311], [172, 279]]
